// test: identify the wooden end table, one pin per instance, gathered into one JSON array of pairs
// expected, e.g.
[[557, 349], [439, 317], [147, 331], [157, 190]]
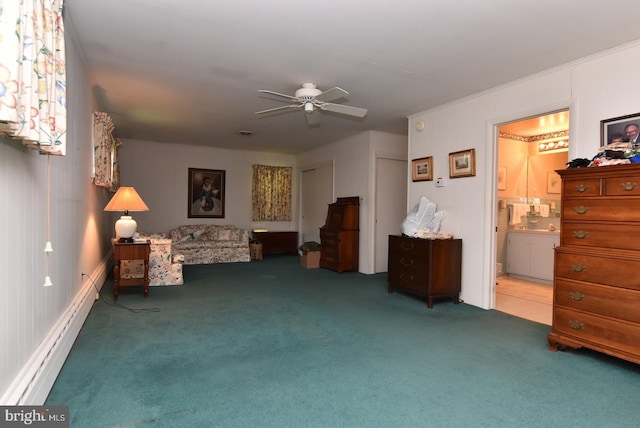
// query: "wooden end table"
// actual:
[[130, 251]]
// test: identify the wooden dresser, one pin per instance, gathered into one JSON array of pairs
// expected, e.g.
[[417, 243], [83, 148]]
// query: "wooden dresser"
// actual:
[[596, 302], [430, 268], [340, 236]]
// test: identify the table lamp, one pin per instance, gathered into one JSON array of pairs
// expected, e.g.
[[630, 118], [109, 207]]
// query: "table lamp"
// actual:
[[126, 199]]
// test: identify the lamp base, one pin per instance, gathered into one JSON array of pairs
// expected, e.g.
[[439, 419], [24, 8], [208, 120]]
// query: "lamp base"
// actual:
[[125, 240]]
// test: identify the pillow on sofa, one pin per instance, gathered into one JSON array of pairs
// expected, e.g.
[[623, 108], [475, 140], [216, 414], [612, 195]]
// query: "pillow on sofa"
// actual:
[[193, 235], [224, 235]]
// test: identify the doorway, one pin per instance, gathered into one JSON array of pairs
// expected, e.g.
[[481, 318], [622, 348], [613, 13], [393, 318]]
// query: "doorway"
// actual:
[[529, 150]]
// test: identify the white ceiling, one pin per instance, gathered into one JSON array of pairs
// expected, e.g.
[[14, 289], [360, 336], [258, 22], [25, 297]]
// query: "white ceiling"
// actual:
[[188, 71]]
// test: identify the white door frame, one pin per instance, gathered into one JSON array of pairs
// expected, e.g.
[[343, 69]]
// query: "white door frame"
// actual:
[[491, 186]]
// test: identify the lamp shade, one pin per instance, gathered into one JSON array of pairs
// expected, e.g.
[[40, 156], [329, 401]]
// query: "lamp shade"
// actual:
[[126, 199]]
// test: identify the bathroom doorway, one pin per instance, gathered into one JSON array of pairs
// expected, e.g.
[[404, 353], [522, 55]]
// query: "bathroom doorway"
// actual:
[[528, 205]]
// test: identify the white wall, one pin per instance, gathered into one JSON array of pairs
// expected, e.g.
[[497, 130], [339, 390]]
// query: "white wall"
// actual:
[[159, 172], [39, 324], [354, 175], [596, 88]]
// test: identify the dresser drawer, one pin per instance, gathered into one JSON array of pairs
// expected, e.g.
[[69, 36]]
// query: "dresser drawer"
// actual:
[[586, 187], [613, 302], [401, 245], [622, 186], [608, 332], [605, 209], [609, 235], [597, 268]]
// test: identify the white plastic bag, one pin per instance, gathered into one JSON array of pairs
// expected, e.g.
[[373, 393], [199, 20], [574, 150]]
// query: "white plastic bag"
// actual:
[[423, 217]]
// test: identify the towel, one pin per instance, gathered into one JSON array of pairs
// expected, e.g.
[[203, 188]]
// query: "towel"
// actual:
[[516, 212], [543, 210]]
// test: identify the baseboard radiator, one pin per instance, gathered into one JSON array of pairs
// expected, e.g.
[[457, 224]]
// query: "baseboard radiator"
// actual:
[[32, 385]]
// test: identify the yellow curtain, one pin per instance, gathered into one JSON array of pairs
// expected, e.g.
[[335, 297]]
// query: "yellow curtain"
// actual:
[[271, 193], [33, 74]]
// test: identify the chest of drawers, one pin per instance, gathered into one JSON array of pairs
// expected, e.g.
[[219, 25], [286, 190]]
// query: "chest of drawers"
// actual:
[[596, 301], [429, 268]]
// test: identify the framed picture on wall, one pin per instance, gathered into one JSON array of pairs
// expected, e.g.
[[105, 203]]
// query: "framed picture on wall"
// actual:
[[422, 169], [502, 178], [462, 163], [620, 129], [206, 193], [553, 182]]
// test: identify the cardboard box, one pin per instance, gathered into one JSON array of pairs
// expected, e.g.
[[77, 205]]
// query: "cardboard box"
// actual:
[[255, 248], [311, 260]]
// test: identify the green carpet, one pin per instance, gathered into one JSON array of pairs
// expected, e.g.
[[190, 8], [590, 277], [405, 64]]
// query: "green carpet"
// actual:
[[271, 344]]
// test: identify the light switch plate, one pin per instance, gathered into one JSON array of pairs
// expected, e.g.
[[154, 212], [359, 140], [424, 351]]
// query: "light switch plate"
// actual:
[[439, 182]]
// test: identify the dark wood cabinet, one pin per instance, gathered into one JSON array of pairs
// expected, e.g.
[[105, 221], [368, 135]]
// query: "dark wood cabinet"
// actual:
[[596, 290], [430, 268], [340, 236], [277, 242]]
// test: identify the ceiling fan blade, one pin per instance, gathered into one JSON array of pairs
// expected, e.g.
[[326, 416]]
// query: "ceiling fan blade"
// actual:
[[278, 94], [272, 110], [313, 118], [348, 110], [332, 94]]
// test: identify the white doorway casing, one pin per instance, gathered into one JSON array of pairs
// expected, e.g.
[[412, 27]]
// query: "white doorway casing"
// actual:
[[316, 193], [491, 221], [390, 205]]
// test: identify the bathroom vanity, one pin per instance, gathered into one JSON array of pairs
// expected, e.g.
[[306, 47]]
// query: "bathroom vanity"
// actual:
[[530, 254]]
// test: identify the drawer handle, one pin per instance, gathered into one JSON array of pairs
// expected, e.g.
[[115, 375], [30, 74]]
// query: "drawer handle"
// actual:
[[406, 263], [628, 186], [575, 324], [407, 247], [581, 188], [580, 234], [581, 209], [405, 277], [578, 268], [576, 295]]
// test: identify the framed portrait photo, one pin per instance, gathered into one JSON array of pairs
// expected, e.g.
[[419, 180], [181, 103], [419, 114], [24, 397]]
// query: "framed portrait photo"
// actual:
[[422, 169], [615, 130], [462, 163], [206, 193]]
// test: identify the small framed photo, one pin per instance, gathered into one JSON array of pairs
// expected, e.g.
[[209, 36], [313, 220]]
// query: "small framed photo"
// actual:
[[422, 169], [502, 178], [621, 129], [462, 163], [206, 193]]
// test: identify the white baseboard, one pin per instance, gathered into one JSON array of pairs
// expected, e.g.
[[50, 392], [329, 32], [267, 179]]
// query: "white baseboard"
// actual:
[[33, 383]]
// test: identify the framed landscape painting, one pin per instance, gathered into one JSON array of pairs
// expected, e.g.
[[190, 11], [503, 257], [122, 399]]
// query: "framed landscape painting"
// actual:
[[206, 193], [422, 169], [462, 163]]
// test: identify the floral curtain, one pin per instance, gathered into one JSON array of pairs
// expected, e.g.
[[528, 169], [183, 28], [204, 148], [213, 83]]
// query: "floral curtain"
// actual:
[[106, 171], [33, 74], [271, 193]]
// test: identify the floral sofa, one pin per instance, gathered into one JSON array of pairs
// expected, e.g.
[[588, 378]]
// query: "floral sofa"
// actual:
[[211, 243], [165, 267]]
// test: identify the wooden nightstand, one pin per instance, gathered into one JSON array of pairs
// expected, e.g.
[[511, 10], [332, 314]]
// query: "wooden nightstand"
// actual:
[[130, 251]]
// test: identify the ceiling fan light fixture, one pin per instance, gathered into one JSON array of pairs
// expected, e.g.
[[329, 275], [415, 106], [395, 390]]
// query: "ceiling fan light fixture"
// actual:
[[308, 108]]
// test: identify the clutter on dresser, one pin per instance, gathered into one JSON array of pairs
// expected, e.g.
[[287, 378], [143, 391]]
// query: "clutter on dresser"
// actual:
[[424, 221]]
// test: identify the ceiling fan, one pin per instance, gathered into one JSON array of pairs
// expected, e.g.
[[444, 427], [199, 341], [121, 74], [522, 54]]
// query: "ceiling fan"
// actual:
[[312, 100]]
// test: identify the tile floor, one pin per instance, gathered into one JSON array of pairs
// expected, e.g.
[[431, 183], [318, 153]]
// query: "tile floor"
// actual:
[[524, 299]]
